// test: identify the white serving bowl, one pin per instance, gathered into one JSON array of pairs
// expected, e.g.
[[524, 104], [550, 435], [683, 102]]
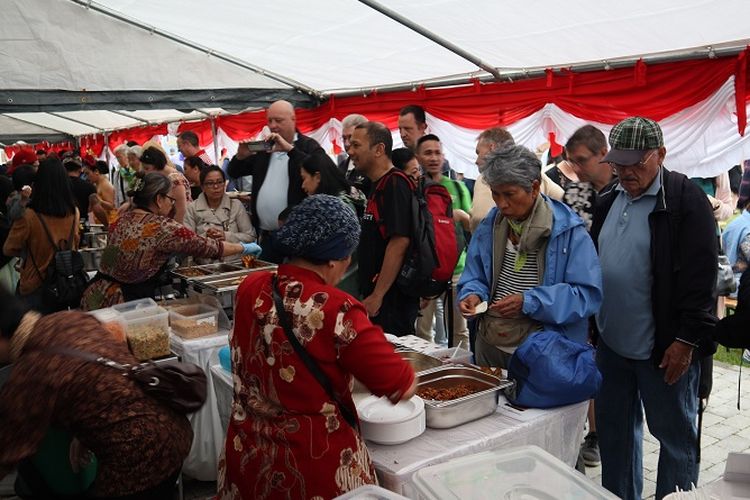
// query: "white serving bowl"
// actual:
[[385, 423]]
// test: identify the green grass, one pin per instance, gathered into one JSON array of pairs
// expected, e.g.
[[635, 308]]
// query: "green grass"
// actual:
[[728, 356]]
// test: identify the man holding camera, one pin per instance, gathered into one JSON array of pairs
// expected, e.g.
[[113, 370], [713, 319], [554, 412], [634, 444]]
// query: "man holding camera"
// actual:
[[275, 167]]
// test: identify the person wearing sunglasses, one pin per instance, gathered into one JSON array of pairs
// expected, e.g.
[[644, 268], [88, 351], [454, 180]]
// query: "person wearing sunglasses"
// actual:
[[656, 238], [214, 215], [141, 242]]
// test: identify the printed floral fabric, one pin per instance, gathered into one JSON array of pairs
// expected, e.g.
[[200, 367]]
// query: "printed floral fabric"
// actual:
[[286, 437], [138, 442], [138, 246]]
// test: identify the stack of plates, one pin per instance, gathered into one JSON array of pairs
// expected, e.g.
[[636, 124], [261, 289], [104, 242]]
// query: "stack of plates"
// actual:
[[385, 423]]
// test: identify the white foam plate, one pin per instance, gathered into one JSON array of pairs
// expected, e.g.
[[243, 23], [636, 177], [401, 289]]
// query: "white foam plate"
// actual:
[[481, 308]]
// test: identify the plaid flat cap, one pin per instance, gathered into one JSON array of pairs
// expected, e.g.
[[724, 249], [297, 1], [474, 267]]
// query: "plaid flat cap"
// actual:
[[631, 138]]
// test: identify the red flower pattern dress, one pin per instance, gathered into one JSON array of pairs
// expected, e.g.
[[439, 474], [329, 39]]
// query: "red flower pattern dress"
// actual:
[[286, 437]]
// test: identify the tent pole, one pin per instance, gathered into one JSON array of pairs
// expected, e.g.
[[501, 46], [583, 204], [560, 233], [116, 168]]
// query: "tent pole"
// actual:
[[37, 125], [131, 116], [433, 37], [213, 134], [79, 122]]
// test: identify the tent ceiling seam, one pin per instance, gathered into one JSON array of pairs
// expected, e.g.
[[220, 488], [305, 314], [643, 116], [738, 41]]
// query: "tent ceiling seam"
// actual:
[[89, 4]]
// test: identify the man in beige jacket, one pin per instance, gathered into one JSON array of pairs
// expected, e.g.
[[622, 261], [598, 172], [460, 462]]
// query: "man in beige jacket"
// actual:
[[482, 202]]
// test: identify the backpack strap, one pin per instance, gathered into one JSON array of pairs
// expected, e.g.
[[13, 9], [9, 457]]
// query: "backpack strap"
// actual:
[[46, 231]]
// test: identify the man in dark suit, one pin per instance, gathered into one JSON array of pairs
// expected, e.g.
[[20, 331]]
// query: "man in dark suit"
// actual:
[[277, 183]]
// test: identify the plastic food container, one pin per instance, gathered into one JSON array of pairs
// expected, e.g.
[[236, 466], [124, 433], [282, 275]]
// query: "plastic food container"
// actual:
[[112, 321], [446, 355], [370, 492], [524, 473], [385, 423], [194, 320], [147, 331], [134, 305]]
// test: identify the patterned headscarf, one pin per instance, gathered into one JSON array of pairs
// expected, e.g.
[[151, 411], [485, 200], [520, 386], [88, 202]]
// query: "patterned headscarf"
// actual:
[[322, 227]]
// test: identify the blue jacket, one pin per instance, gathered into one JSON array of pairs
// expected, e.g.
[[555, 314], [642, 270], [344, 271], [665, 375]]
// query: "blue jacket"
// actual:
[[733, 235], [571, 289]]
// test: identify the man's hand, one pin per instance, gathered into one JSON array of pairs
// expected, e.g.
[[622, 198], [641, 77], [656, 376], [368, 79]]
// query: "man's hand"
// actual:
[[469, 304], [676, 361], [25, 193], [279, 143], [510, 306], [243, 151], [373, 303]]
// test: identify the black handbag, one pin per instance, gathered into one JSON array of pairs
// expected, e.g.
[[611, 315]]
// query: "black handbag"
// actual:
[[179, 385], [310, 363]]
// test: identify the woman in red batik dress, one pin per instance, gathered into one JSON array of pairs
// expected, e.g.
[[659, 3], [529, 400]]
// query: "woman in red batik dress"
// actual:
[[287, 438]]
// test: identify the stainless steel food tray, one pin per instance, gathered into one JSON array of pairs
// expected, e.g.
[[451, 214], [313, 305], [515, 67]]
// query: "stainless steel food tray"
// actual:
[[207, 271], [454, 412], [419, 361]]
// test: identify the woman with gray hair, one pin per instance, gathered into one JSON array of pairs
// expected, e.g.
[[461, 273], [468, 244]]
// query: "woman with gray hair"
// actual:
[[531, 264], [287, 434]]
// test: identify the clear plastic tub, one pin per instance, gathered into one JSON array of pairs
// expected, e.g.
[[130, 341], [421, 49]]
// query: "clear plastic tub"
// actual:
[[525, 473], [112, 321], [370, 492], [147, 330], [447, 355], [194, 320], [134, 305]]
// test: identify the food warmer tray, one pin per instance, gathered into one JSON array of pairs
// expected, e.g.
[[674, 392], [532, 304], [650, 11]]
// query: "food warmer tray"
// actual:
[[454, 412], [224, 286], [207, 271]]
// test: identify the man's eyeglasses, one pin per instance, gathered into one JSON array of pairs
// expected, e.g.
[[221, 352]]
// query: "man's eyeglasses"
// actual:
[[580, 161], [213, 184], [641, 163]]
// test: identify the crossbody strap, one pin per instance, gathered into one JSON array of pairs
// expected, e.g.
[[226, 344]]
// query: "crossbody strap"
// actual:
[[310, 363], [90, 357]]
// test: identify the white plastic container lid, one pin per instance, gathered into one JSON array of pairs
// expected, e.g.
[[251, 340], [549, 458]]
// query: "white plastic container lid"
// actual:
[[524, 473], [370, 492], [134, 305]]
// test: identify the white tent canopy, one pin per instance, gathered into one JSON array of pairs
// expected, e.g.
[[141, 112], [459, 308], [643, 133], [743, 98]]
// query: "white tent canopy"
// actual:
[[80, 58]]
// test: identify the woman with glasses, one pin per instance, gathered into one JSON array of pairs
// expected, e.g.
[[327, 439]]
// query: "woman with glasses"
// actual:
[[141, 242], [214, 215]]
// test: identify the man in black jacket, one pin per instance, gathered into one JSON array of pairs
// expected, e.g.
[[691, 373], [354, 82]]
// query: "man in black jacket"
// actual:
[[277, 182], [655, 234]]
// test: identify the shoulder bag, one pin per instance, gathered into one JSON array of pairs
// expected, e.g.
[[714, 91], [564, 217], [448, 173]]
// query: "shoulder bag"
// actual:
[[179, 385], [310, 363]]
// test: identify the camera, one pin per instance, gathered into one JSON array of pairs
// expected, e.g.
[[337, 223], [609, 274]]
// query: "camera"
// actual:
[[258, 146]]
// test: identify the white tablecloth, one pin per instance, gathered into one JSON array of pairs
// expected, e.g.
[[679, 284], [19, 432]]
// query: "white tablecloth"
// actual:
[[222, 381], [558, 431], [208, 435]]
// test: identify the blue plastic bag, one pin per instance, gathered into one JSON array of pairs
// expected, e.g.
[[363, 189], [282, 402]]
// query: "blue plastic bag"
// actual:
[[551, 370]]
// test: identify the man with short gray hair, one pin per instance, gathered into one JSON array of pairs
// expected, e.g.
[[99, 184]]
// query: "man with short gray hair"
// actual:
[[656, 238], [345, 163], [118, 179]]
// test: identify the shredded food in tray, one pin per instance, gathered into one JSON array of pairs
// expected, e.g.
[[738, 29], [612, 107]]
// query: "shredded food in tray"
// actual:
[[249, 261], [191, 272], [446, 394]]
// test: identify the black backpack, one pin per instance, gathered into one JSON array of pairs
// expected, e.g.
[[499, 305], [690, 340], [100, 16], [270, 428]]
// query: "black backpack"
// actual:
[[65, 279]]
